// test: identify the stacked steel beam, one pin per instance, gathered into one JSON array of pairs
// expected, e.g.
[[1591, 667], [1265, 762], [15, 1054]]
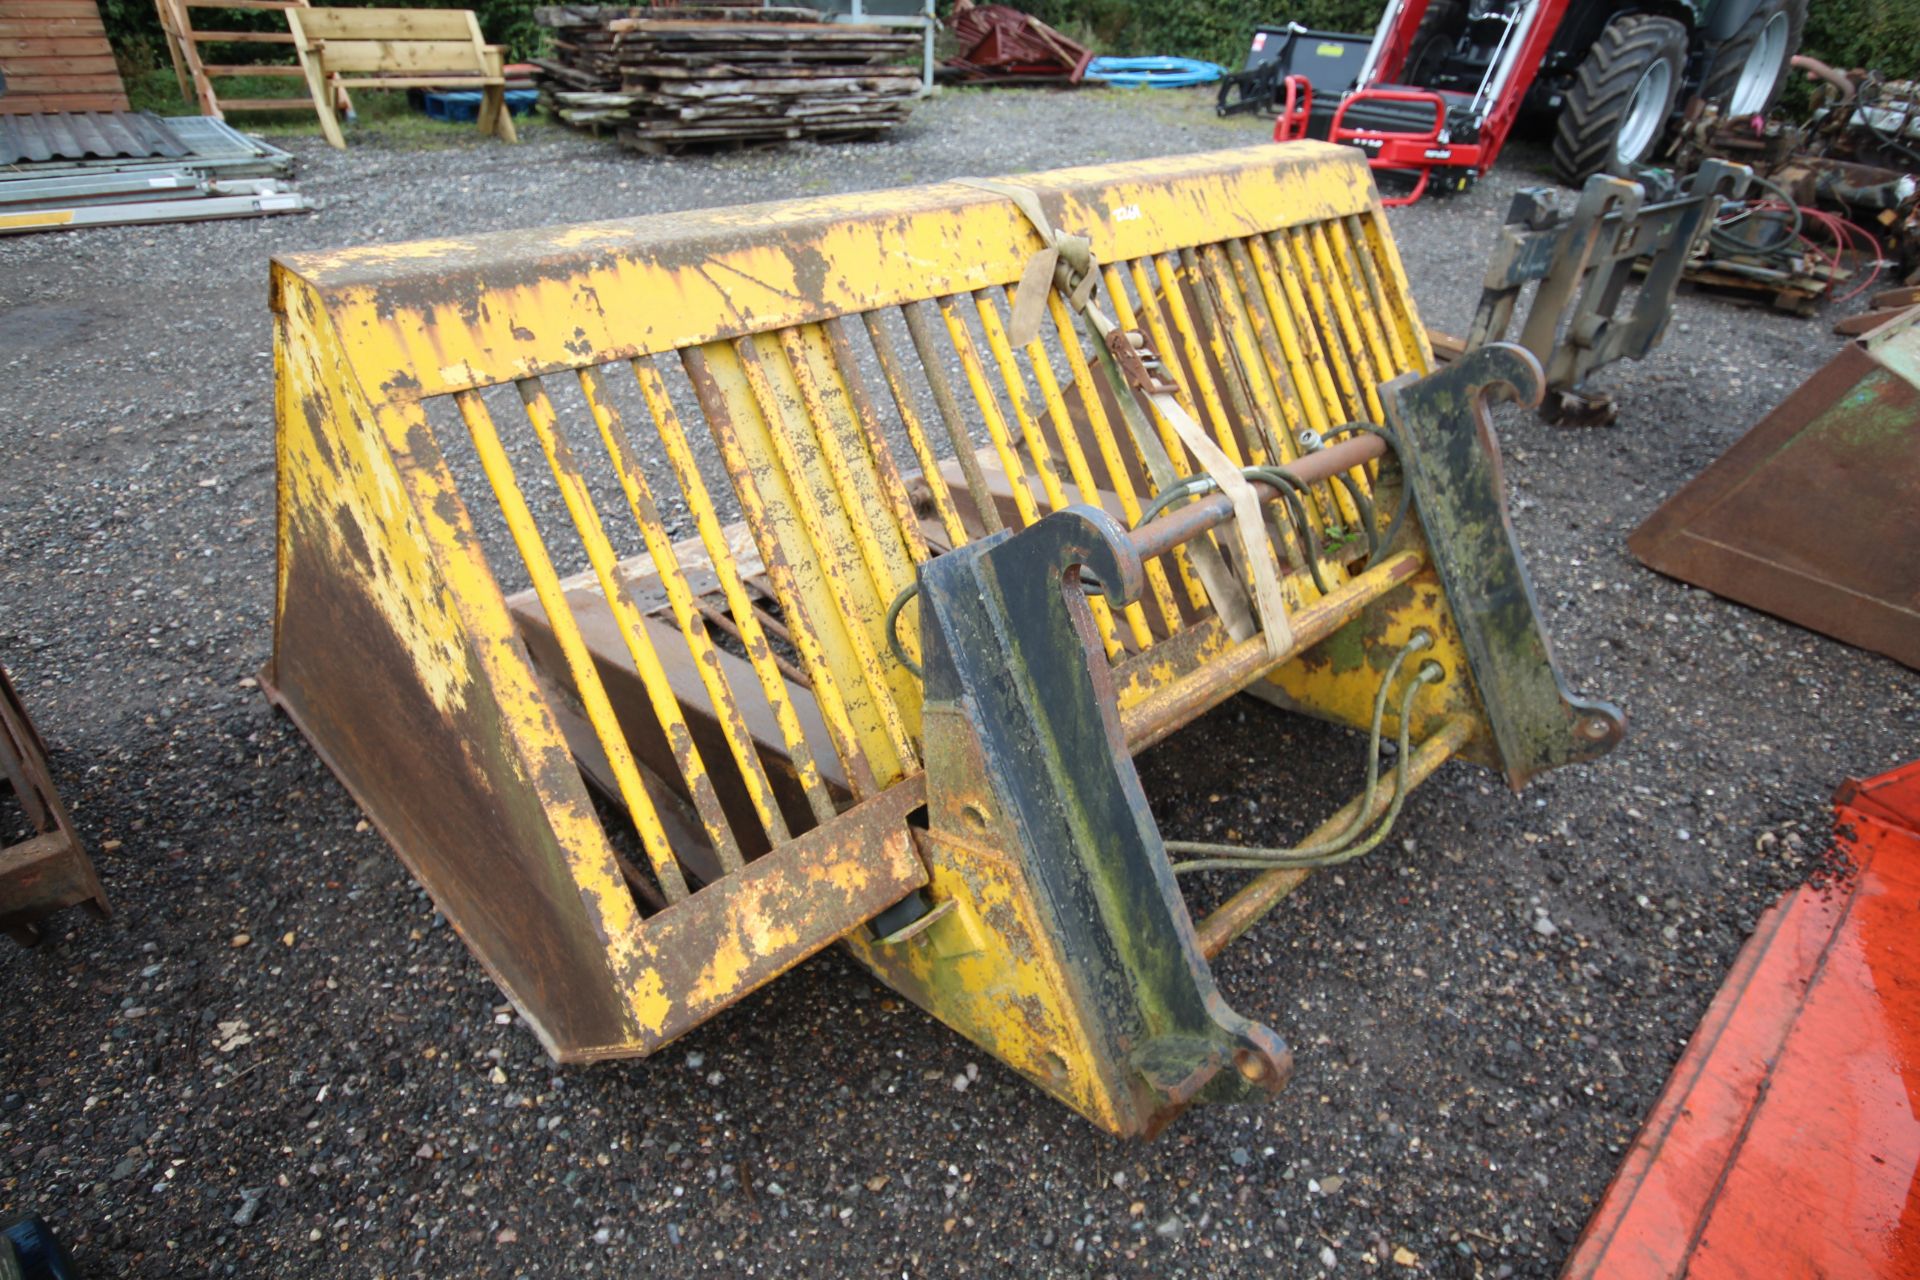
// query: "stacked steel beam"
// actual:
[[688, 75]]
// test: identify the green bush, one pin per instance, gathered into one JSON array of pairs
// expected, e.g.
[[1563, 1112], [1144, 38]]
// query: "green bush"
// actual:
[[1883, 34], [1880, 35], [1218, 30]]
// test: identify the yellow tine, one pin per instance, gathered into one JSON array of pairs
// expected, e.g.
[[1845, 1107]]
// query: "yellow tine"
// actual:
[[866, 416], [1299, 395], [1245, 293], [902, 391], [719, 401], [931, 360], [1327, 301], [1016, 387], [1206, 314], [1380, 314], [1331, 497], [1110, 454], [1163, 342], [1241, 290], [1243, 315], [1380, 364], [773, 685], [1320, 329], [990, 411], [1241, 333], [1267, 439], [706, 659], [1042, 457], [1386, 261], [573, 647], [632, 623], [1354, 319], [1255, 278], [832, 556], [1042, 366], [1169, 439], [859, 464], [1202, 373], [1346, 331], [851, 489], [1314, 383]]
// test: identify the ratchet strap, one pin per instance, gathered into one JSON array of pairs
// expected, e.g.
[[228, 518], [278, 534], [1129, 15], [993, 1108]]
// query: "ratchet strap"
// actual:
[[1135, 371]]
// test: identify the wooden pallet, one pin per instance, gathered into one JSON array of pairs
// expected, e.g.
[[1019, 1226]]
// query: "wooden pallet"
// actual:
[[725, 76]]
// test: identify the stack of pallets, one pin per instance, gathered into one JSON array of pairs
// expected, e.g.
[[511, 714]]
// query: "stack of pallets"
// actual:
[[692, 75]]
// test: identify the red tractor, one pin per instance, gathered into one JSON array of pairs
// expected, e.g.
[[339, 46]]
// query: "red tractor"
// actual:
[[1439, 86]]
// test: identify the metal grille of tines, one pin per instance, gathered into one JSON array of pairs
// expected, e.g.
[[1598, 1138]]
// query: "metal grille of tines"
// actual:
[[777, 684]]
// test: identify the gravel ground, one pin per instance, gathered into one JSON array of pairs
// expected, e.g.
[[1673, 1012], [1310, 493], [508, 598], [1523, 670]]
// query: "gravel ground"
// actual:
[[276, 1060]]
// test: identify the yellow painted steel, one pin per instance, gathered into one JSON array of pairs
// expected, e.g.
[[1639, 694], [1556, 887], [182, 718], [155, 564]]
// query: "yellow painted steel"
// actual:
[[1014, 380], [900, 388], [633, 484], [988, 401], [714, 541], [786, 532], [1110, 454], [1069, 436], [1266, 280], [580, 665], [866, 426], [1169, 438], [633, 631]]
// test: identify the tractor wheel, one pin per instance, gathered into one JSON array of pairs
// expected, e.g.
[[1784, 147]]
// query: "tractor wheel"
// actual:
[[1433, 41], [1749, 68], [1621, 98]]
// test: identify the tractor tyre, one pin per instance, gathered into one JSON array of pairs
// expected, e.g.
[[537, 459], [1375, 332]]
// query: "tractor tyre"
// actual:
[[1621, 100], [1433, 40], [1750, 67]]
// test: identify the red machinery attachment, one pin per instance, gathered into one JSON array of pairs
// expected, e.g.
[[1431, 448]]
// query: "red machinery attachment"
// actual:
[[1398, 107], [1001, 45], [1786, 1142]]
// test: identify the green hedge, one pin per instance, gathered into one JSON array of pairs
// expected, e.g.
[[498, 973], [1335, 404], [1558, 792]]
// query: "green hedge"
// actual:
[[134, 27], [1884, 34]]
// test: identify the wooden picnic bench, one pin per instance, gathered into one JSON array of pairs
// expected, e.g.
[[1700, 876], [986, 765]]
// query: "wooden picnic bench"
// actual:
[[399, 49]]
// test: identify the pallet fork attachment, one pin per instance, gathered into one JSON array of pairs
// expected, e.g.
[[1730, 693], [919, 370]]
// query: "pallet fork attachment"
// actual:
[[895, 702], [1606, 273]]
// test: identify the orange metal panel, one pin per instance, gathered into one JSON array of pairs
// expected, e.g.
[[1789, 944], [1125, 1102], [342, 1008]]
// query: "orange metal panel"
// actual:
[[1787, 1142]]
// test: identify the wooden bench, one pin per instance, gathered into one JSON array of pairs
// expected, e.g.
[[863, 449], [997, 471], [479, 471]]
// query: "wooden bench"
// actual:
[[399, 49]]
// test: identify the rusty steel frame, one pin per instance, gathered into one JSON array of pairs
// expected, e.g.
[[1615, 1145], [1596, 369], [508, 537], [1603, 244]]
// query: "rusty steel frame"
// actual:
[[50, 870]]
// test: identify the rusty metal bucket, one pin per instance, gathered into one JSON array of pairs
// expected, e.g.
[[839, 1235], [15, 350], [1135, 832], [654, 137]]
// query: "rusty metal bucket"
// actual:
[[1814, 514], [48, 870], [682, 595]]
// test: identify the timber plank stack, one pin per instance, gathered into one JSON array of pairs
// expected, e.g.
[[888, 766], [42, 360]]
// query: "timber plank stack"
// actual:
[[55, 57], [669, 78]]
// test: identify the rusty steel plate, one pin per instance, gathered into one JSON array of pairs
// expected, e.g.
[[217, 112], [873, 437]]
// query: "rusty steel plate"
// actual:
[[1814, 514]]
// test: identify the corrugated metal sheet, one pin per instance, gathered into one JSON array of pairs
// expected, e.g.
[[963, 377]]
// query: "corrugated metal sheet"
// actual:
[[76, 135], [214, 148]]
